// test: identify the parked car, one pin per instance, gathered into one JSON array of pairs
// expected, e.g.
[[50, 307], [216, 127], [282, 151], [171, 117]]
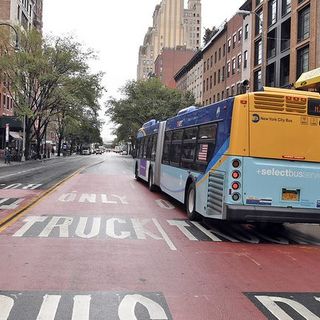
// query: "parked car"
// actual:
[[124, 152], [85, 151], [98, 151]]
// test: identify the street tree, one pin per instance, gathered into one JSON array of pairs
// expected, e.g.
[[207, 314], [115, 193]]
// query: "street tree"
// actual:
[[142, 101], [43, 80]]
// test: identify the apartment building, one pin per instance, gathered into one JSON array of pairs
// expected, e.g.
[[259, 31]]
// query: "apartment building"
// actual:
[[189, 77], [173, 26], [169, 61], [285, 41]]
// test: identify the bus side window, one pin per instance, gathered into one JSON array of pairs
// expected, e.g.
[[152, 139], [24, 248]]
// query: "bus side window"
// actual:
[[166, 147], [149, 147], [141, 148], [175, 148], [189, 148], [205, 146], [145, 146]]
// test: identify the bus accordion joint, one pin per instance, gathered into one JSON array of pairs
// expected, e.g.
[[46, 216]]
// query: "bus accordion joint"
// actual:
[[293, 157]]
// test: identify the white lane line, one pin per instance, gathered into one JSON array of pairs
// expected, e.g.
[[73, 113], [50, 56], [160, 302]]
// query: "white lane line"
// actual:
[[49, 307], [164, 235], [205, 231]]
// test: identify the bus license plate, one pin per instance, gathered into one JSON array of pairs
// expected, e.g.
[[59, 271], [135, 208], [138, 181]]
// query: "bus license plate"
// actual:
[[290, 195]]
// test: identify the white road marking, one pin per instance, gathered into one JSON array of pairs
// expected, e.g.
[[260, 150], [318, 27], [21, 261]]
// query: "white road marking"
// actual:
[[205, 231], [49, 307], [132, 185], [81, 307], [128, 304], [164, 235], [6, 304], [110, 229], [270, 303], [30, 221], [95, 229], [63, 227], [181, 225], [164, 204]]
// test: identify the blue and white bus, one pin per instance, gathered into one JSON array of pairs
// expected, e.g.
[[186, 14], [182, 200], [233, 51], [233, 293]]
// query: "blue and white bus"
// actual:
[[254, 157]]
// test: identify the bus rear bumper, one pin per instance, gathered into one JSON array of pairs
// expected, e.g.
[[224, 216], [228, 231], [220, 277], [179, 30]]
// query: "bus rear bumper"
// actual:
[[272, 214]]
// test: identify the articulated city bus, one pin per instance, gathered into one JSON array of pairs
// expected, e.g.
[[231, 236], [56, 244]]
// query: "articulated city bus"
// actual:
[[254, 157]]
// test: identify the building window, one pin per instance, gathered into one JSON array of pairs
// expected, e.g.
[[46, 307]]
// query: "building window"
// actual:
[[232, 91], [224, 49], [286, 7], [234, 40], [219, 76], [302, 61], [258, 2], [285, 35], [270, 75], [228, 69], [219, 54], [211, 61], [284, 71], [229, 45], [210, 82], [204, 66], [271, 44], [233, 65], [215, 57], [239, 35], [258, 22], [239, 61], [257, 52], [214, 78], [246, 31], [218, 97], [272, 12], [222, 95], [245, 59], [223, 73], [304, 23], [257, 83]]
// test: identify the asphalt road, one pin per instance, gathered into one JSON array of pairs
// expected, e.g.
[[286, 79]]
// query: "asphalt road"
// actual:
[[102, 246]]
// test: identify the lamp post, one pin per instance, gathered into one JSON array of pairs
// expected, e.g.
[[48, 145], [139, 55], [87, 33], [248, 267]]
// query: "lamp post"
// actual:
[[246, 13]]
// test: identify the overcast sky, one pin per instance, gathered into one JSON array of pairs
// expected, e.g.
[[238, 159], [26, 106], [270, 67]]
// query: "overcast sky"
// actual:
[[115, 30]]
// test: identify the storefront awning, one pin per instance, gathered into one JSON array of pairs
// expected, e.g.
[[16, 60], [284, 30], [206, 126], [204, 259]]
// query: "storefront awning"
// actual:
[[309, 80], [15, 135], [14, 122]]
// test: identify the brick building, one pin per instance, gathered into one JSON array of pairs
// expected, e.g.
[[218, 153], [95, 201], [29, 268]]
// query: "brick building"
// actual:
[[169, 61], [285, 41]]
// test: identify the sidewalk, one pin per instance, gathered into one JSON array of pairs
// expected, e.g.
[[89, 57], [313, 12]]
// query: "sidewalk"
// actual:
[[18, 163]]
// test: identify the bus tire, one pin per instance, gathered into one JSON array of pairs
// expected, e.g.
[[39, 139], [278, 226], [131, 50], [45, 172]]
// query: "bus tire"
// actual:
[[151, 186], [190, 202]]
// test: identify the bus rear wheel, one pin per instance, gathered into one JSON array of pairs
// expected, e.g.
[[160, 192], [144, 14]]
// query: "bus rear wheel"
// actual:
[[190, 203], [136, 175]]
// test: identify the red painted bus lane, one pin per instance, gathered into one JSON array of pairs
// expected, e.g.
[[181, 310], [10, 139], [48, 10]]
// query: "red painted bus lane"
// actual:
[[77, 240]]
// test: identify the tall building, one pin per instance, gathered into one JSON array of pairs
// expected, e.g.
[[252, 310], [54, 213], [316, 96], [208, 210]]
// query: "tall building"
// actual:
[[173, 26]]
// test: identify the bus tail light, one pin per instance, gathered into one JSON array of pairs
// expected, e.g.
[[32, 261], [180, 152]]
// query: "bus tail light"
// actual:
[[236, 163], [235, 174], [235, 185]]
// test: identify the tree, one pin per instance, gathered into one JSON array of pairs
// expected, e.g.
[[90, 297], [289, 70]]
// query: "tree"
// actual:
[[208, 34], [144, 100], [47, 79]]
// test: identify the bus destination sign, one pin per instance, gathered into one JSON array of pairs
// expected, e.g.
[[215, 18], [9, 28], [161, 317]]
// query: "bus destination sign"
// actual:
[[314, 107]]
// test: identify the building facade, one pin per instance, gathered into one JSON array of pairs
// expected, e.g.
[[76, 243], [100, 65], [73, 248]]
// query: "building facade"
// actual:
[[173, 26], [189, 77], [285, 41], [169, 61]]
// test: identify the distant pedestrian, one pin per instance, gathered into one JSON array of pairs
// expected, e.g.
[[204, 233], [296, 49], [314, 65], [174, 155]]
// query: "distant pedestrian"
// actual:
[[7, 155]]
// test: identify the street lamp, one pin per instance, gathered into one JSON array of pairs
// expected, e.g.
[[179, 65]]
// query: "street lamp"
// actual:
[[246, 13]]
